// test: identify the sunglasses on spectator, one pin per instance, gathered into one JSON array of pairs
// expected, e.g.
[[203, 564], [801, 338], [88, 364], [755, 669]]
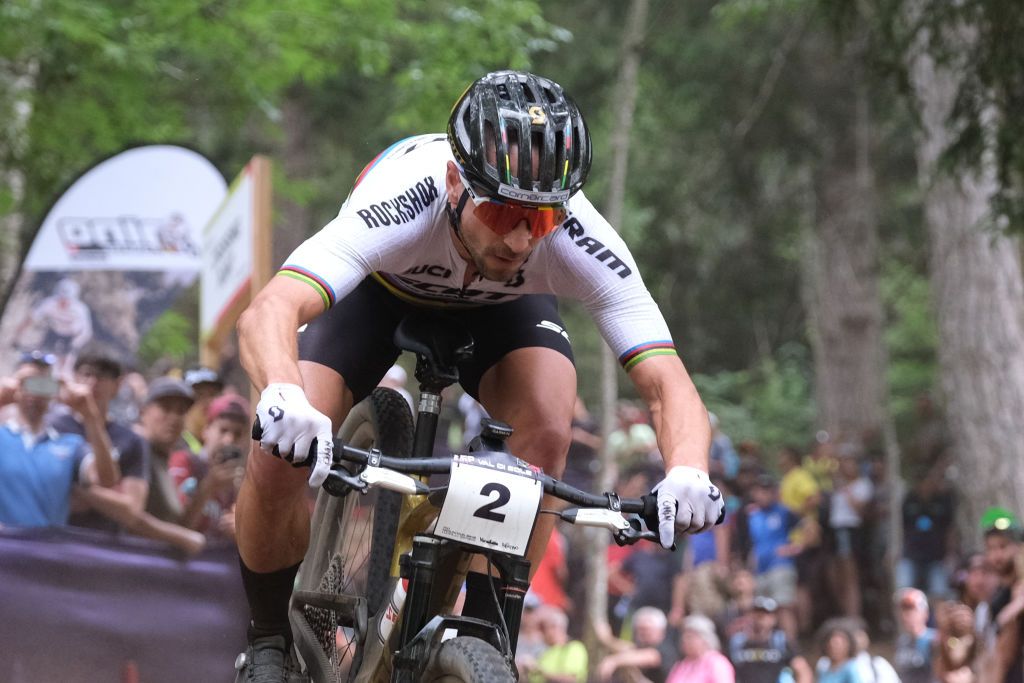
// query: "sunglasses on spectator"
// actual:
[[503, 217]]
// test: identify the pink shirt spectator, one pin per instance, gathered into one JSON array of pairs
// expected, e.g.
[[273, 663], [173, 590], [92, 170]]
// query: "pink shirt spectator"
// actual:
[[711, 667]]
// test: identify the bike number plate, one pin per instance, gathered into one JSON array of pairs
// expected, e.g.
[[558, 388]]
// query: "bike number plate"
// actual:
[[489, 509]]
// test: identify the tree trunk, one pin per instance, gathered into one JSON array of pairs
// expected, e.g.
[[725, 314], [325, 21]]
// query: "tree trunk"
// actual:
[[19, 84], [294, 218], [845, 309], [979, 300], [597, 539]]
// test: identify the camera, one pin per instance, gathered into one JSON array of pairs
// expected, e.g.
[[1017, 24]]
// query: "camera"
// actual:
[[229, 453], [40, 385]]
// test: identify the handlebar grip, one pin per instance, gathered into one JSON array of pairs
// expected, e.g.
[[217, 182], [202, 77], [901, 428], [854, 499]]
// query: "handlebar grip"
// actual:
[[650, 511]]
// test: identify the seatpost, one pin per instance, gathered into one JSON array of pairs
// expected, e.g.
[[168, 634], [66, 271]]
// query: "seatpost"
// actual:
[[427, 416]]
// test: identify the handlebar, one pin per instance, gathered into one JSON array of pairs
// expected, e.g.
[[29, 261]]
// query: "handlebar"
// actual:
[[340, 481]]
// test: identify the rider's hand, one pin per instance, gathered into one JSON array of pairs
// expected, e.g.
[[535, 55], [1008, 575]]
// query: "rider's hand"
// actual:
[[291, 424], [687, 503]]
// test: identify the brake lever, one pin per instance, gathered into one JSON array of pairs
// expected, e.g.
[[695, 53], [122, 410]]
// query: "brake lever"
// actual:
[[338, 484], [635, 532]]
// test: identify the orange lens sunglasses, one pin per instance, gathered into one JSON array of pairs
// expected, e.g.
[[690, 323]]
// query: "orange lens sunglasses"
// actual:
[[502, 218]]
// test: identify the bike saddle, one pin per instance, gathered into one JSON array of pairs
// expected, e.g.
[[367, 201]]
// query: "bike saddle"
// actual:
[[440, 344]]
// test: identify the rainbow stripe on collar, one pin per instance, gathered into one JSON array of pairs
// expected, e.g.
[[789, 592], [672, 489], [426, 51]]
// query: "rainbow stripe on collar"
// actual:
[[640, 352]]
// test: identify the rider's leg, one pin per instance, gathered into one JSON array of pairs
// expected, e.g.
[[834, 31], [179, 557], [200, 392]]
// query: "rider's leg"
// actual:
[[272, 512], [534, 389]]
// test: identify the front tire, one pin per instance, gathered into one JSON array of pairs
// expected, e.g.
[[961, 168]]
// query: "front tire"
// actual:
[[352, 541], [468, 660]]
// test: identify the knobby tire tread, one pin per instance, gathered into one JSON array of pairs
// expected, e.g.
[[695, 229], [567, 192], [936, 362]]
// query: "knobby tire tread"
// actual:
[[469, 660]]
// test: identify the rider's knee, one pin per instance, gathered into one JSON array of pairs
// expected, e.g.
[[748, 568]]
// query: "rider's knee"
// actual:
[[546, 445]]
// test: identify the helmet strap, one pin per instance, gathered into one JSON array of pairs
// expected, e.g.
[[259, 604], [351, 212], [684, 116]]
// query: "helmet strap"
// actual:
[[455, 217]]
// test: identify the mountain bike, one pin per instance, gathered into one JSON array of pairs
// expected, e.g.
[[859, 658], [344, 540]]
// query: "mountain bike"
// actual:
[[392, 538]]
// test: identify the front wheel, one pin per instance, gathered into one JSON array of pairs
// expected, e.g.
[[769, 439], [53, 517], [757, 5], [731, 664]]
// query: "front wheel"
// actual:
[[351, 545], [468, 660]]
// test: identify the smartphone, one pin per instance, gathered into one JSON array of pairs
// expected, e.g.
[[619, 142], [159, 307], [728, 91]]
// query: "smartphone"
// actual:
[[40, 385], [229, 453]]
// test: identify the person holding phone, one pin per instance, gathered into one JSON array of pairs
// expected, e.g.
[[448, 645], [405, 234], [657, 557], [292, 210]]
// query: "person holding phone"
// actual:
[[38, 465], [208, 481]]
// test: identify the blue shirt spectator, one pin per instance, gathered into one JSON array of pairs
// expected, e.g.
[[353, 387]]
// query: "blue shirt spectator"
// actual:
[[39, 466]]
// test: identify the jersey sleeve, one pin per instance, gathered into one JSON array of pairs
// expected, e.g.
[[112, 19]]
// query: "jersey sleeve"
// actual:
[[394, 203], [594, 266]]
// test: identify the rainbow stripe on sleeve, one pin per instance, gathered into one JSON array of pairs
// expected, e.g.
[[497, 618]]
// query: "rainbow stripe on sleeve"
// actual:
[[640, 352], [325, 291]]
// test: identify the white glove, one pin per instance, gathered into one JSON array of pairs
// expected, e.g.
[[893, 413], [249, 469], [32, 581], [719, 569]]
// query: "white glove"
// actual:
[[290, 423], [687, 503]]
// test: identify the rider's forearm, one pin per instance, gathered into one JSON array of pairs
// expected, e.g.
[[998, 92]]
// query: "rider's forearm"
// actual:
[[677, 412], [268, 342]]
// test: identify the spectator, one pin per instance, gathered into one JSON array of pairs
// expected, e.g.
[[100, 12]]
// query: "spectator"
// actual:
[[101, 373], [871, 668], [206, 384], [208, 481], [648, 657], [656, 576], [581, 463], [66, 321], [770, 523], [723, 454], [702, 660], [634, 439], [1001, 658], [563, 660], [961, 624], [838, 663], [799, 491], [161, 424], [38, 465], [915, 644], [552, 574], [762, 652], [531, 641], [705, 568], [848, 504], [738, 610], [821, 462], [927, 534]]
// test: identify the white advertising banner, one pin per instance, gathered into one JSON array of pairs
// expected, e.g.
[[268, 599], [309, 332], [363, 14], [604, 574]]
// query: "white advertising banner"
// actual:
[[112, 255], [227, 258], [143, 209]]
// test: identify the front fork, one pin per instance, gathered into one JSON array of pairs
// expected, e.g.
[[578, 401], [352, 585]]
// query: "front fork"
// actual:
[[421, 631]]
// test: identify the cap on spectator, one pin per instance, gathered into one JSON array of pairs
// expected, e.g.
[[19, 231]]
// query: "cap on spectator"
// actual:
[[912, 598], [37, 358], [203, 375], [103, 361], [999, 520], [169, 387], [765, 604], [228, 405]]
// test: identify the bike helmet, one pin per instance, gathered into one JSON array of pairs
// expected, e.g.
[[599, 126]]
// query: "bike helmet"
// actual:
[[515, 109]]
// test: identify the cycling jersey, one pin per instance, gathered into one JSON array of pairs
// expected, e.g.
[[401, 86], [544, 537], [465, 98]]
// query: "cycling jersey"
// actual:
[[393, 227]]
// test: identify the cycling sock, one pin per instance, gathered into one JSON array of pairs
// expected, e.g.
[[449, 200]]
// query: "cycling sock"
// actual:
[[480, 598], [268, 595]]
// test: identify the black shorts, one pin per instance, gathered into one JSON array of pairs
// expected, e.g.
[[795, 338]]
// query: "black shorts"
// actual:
[[355, 337]]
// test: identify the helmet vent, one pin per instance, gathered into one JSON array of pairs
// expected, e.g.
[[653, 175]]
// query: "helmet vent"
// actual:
[[531, 97], [503, 92]]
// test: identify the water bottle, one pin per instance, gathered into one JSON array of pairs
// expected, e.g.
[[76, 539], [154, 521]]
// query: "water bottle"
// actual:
[[393, 611]]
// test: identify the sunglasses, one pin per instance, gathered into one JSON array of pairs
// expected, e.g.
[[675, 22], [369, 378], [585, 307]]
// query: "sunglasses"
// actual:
[[502, 218]]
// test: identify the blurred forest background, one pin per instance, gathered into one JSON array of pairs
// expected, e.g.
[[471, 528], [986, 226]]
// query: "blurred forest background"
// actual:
[[823, 196]]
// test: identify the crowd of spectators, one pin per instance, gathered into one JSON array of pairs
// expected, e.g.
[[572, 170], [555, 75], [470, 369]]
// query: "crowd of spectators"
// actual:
[[791, 588], [97, 447], [795, 585]]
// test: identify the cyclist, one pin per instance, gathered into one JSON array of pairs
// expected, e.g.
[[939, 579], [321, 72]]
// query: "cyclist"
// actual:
[[487, 222]]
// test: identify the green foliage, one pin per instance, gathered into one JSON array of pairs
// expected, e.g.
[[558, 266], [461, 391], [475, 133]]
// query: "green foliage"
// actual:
[[171, 338], [770, 404]]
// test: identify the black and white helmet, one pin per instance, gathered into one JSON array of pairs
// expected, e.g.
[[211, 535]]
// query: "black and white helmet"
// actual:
[[515, 109]]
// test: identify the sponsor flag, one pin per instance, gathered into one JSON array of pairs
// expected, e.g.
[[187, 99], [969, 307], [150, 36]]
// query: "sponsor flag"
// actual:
[[112, 254]]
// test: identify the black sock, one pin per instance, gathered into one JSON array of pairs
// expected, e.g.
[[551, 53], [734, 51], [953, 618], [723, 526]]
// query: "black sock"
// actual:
[[268, 595], [479, 597]]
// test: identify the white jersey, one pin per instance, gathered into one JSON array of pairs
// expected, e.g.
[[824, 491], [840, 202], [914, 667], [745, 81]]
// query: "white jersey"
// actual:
[[393, 227]]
